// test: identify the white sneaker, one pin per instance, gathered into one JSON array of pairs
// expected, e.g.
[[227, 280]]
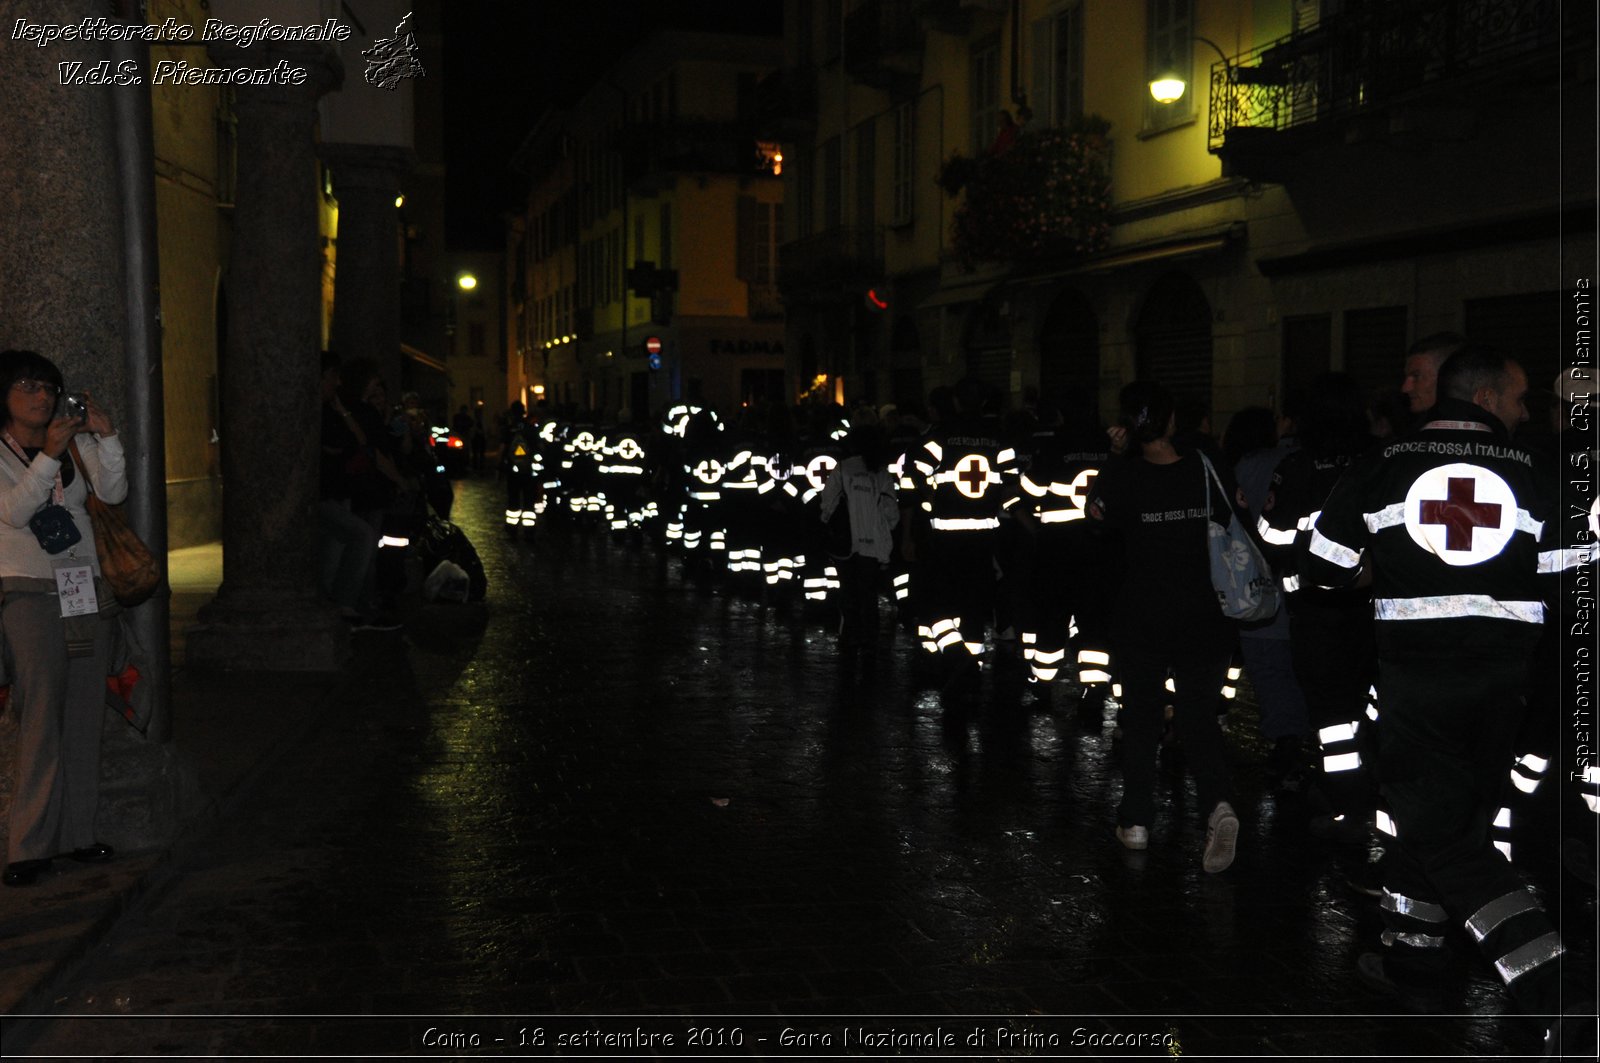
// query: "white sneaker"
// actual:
[[1135, 838], [1222, 833]]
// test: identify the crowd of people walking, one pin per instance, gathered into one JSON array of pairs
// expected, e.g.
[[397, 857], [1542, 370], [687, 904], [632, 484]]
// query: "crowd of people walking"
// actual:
[[1420, 554]]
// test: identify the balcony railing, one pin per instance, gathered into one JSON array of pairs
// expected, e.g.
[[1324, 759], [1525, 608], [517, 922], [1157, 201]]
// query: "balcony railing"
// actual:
[[687, 147], [882, 43], [786, 104], [1351, 64], [833, 263]]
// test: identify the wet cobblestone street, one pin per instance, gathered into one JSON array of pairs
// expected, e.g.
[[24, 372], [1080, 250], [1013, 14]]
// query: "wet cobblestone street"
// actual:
[[635, 794]]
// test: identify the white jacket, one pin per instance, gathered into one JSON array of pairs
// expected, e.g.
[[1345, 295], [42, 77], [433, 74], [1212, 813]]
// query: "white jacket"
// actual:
[[870, 501]]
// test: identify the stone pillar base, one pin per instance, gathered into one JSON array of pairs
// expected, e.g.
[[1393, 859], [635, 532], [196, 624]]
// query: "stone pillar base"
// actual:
[[265, 631], [147, 791]]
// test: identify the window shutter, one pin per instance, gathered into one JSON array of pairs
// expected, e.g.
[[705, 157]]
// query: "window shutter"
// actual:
[[746, 263]]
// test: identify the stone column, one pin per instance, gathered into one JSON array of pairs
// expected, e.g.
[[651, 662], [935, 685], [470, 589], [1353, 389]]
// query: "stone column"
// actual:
[[366, 300], [61, 268], [268, 614]]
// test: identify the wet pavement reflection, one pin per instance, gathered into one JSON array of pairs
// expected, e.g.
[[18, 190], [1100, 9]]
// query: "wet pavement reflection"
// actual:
[[636, 793]]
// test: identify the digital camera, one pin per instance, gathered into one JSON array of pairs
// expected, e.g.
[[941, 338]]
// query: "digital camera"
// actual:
[[75, 404]]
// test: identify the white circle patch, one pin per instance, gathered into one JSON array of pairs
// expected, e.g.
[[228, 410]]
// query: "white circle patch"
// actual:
[[973, 475], [817, 472], [1463, 514]]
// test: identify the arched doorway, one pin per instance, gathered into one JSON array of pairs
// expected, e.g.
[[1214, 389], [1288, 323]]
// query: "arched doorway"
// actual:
[[1069, 355], [987, 341], [1173, 338], [905, 361]]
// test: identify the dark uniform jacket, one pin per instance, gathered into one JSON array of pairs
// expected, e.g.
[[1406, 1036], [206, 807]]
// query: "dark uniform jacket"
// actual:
[[966, 475], [1451, 519]]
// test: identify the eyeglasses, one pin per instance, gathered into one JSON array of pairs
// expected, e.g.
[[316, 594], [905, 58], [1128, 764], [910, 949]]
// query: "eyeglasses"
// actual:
[[33, 387]]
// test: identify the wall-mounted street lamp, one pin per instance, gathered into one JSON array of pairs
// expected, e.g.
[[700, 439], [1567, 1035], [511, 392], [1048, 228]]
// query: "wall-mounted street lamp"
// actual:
[[399, 201], [1169, 84], [466, 282]]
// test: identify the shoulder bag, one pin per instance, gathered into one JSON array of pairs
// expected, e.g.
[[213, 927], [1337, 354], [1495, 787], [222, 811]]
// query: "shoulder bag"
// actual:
[[1246, 589], [125, 561]]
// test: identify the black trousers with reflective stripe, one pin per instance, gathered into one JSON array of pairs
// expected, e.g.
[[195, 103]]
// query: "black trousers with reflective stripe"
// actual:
[[1448, 726], [1336, 663]]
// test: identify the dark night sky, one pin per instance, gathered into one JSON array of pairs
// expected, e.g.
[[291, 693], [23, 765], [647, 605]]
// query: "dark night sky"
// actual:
[[506, 62]]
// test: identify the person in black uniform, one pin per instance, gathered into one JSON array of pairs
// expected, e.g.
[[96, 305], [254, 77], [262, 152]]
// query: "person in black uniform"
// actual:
[[1065, 599], [1334, 652], [1165, 618], [965, 475], [1449, 522]]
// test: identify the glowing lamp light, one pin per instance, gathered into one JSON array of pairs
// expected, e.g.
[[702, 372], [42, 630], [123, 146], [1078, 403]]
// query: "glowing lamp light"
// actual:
[[538, 389], [466, 282], [1168, 88], [874, 301], [400, 200]]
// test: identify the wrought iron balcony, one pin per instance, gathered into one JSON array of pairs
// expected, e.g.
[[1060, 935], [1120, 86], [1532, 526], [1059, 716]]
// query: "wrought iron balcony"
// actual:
[[831, 264], [953, 16], [1272, 101], [659, 150], [786, 105], [882, 43]]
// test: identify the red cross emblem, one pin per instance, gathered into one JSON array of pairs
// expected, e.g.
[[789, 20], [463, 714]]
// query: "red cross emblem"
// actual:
[[1463, 514], [1459, 512], [972, 475]]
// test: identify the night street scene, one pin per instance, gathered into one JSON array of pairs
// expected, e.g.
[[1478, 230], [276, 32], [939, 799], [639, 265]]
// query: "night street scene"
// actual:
[[799, 529]]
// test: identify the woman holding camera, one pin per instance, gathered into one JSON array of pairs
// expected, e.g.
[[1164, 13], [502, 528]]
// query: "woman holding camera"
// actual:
[[56, 648]]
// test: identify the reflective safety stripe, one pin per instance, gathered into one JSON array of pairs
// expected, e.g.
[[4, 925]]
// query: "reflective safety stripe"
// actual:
[[1341, 762], [1170, 688], [964, 523], [1060, 516], [1093, 675], [1502, 819], [1387, 517], [1044, 675], [1535, 764], [1234, 672], [1411, 908], [1525, 522], [1291, 584], [1372, 713], [1416, 941], [1275, 536], [1343, 732], [1562, 560], [392, 540], [1333, 552], [1524, 783], [949, 639], [1485, 919], [1006, 456], [1230, 693], [1036, 490], [1520, 961], [1049, 656], [1453, 606], [974, 648], [1385, 823], [1505, 849], [935, 449], [1593, 802], [1029, 638]]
